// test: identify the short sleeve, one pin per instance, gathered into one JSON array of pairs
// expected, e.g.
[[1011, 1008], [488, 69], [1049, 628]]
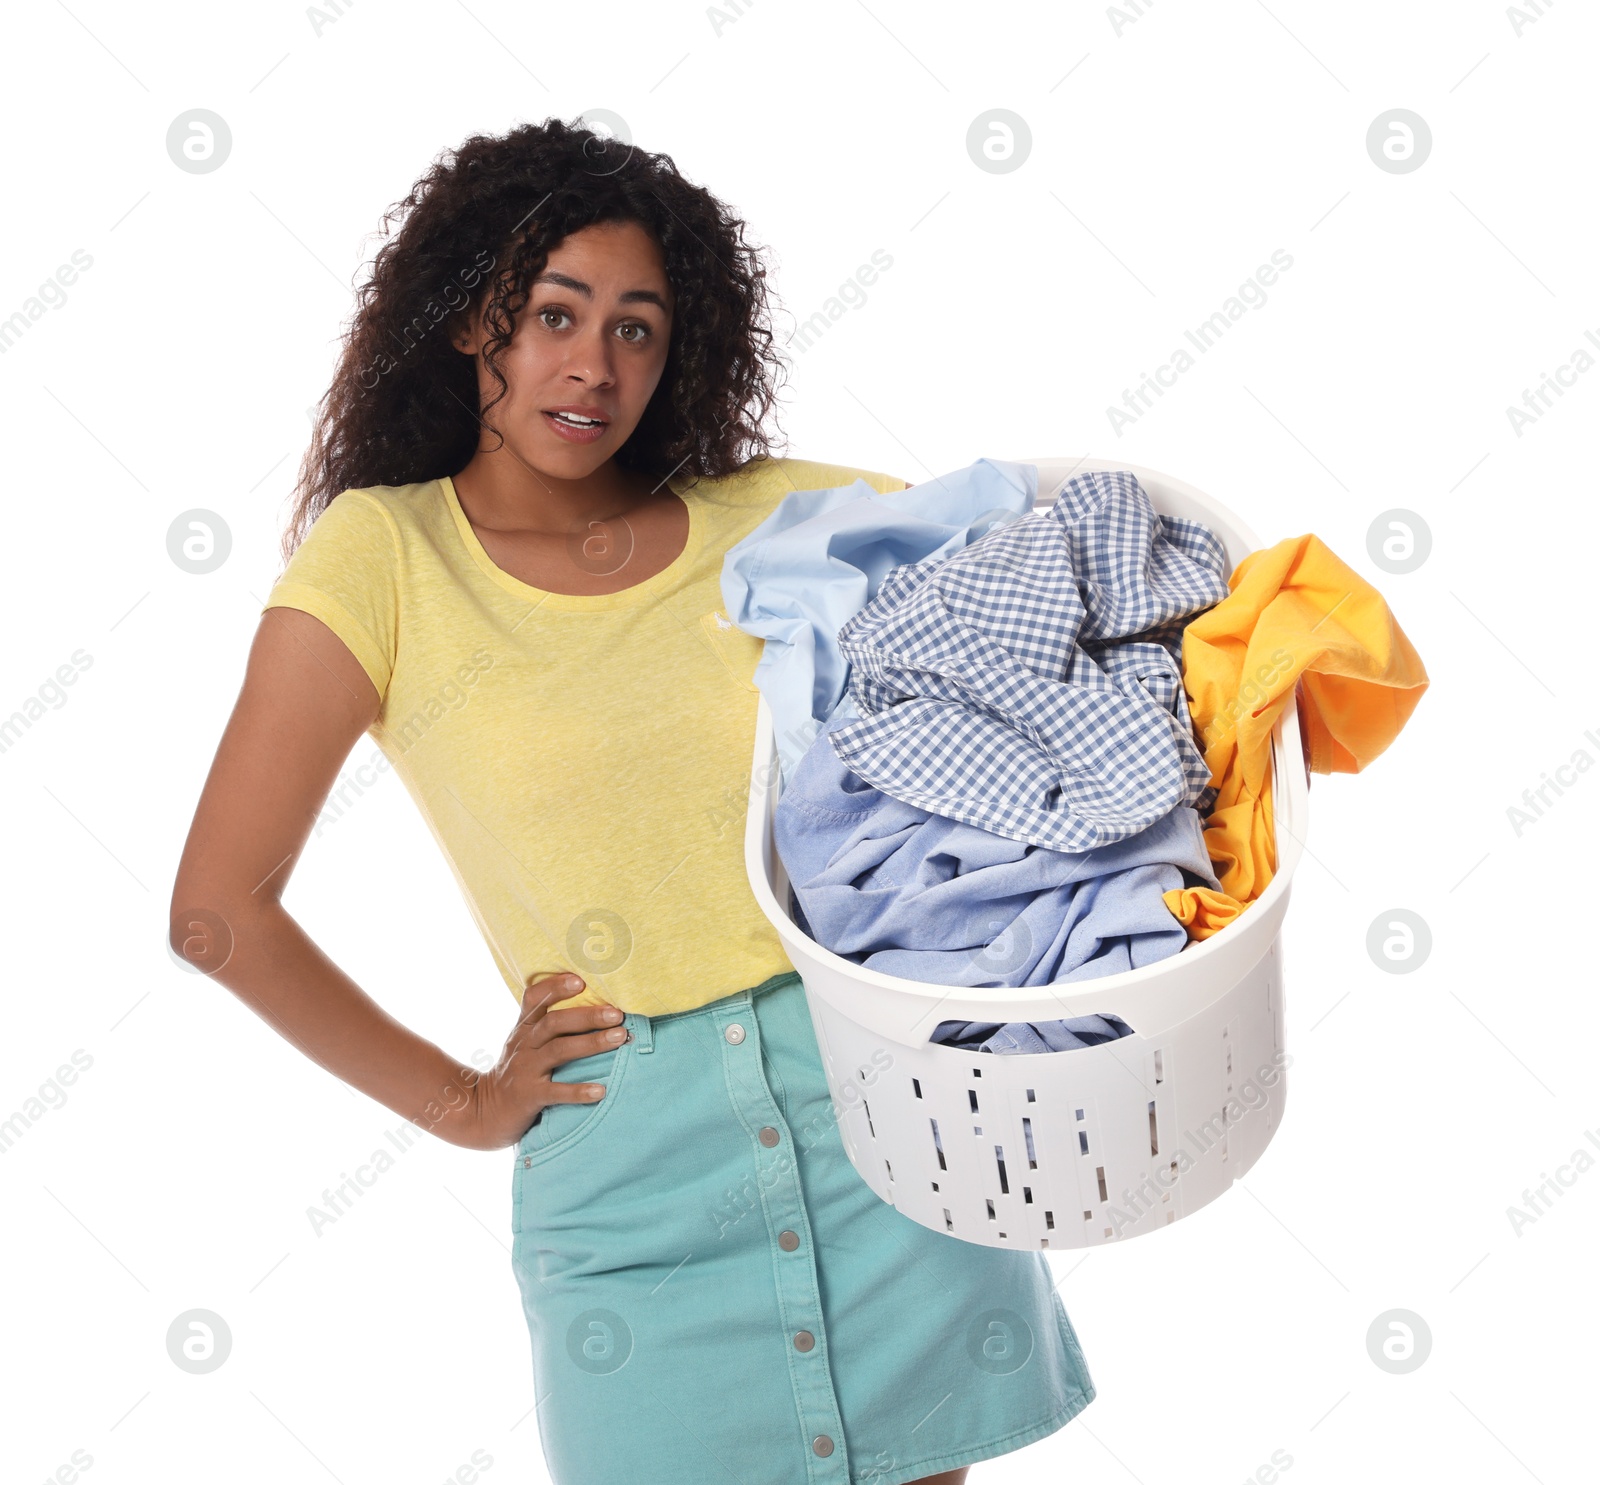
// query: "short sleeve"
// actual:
[[884, 484], [809, 474], [346, 573]]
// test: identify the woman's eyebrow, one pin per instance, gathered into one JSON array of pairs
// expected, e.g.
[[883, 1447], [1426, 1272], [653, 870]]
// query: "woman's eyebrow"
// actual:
[[577, 285]]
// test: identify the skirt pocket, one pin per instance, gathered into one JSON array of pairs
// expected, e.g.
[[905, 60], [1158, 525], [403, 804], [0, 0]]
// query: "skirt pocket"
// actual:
[[560, 1126]]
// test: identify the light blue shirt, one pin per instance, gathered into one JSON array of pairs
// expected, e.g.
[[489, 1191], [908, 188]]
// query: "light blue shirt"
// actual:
[[1031, 1036], [820, 557], [929, 898]]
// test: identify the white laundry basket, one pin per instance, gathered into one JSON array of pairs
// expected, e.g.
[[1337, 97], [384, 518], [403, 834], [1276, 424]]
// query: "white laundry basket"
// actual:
[[1058, 1149]]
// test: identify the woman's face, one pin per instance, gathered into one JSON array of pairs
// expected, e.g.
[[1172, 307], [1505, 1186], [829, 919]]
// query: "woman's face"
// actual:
[[590, 342]]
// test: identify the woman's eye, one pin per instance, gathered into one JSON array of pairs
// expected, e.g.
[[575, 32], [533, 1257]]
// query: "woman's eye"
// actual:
[[640, 332]]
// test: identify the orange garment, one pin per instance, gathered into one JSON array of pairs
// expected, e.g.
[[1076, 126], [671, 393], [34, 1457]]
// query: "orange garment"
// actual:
[[1294, 612]]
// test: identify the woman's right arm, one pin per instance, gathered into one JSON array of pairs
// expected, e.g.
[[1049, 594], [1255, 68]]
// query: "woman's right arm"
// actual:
[[304, 703]]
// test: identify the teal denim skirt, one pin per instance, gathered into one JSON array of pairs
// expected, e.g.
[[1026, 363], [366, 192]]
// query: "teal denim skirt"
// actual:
[[714, 1294]]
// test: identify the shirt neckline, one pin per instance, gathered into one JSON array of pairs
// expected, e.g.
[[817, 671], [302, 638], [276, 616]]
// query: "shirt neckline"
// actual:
[[652, 587]]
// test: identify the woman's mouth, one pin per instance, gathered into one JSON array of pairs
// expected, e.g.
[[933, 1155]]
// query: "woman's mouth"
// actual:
[[577, 427]]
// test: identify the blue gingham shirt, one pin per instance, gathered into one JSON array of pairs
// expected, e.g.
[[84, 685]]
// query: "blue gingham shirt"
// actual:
[[1031, 684]]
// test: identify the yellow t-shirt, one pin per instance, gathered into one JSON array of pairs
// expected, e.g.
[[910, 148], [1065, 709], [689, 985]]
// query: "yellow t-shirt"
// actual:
[[582, 760]]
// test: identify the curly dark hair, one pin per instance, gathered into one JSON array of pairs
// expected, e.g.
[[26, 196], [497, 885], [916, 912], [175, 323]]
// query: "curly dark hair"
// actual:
[[403, 403]]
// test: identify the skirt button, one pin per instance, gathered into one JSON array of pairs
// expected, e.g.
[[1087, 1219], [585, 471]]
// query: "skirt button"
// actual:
[[788, 1241], [735, 1033], [768, 1135], [804, 1340], [822, 1445]]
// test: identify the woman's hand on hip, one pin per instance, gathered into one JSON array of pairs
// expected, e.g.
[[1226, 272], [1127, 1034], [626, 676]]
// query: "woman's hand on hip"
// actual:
[[513, 1093]]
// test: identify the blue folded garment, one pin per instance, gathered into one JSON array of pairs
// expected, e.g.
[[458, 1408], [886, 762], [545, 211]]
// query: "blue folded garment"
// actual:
[[1030, 1036], [923, 897], [821, 554]]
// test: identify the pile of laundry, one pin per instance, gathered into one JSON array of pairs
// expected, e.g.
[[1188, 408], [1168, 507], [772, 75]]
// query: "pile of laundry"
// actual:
[[1025, 747]]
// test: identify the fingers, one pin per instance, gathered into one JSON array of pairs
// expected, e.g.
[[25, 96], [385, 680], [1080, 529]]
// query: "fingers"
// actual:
[[538, 1025], [543, 993], [566, 1048], [578, 1019], [575, 1093], [542, 1039]]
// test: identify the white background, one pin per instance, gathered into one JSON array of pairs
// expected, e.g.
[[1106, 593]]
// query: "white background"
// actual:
[[1172, 152]]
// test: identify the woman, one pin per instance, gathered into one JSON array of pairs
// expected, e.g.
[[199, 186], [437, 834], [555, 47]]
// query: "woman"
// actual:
[[543, 434]]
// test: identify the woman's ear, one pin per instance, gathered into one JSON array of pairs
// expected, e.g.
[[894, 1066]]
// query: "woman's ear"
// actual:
[[466, 329]]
